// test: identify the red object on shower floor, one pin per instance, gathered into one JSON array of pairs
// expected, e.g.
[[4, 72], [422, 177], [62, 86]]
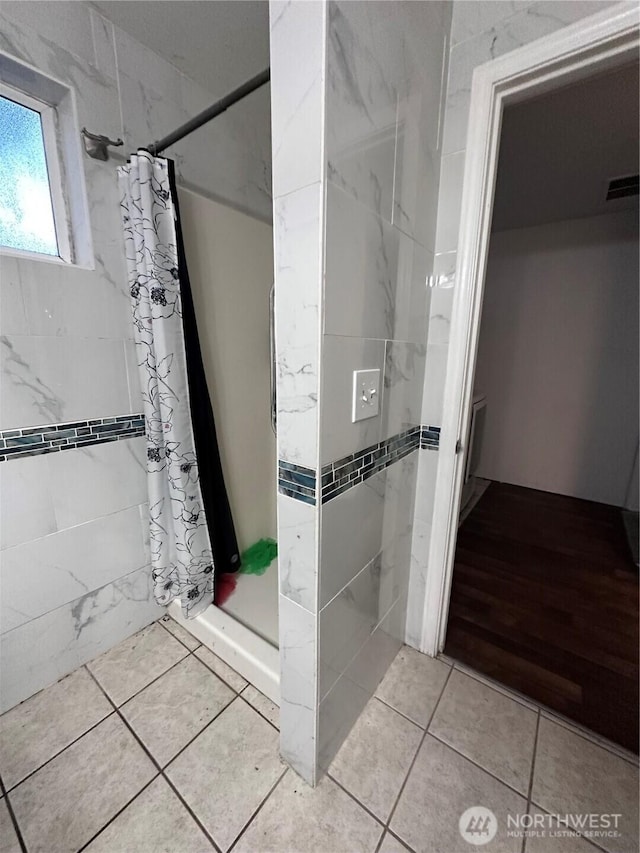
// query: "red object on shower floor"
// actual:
[[225, 587]]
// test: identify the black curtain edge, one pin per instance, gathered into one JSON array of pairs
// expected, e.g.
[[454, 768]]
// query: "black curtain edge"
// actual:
[[224, 543]]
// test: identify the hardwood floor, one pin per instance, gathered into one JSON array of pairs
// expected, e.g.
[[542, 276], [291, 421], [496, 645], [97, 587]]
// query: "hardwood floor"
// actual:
[[545, 600]]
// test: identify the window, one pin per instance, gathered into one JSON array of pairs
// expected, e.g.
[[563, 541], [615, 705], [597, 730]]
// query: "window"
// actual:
[[32, 211]]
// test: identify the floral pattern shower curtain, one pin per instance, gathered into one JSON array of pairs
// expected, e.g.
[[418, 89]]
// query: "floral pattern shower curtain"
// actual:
[[183, 539]]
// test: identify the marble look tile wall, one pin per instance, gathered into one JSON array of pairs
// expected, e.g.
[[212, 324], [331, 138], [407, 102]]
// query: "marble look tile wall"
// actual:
[[74, 560], [356, 123], [385, 66], [298, 270], [44, 649], [297, 32], [68, 355], [480, 31], [342, 705]]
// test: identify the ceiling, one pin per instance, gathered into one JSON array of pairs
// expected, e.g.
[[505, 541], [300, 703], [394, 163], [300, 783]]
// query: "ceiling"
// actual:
[[559, 151], [219, 45]]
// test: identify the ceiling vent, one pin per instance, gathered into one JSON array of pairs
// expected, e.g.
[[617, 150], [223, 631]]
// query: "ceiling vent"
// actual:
[[622, 187]]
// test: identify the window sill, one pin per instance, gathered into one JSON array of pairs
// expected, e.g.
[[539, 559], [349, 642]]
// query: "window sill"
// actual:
[[24, 255]]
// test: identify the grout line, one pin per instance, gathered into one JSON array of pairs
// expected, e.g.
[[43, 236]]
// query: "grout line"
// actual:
[[364, 643], [204, 663], [355, 799], [117, 711], [417, 752], [444, 90], [49, 760], [117, 60], [170, 782], [119, 812], [58, 607], [345, 585], [211, 670], [126, 723], [201, 731], [546, 712], [593, 738], [395, 163], [161, 622], [160, 769], [533, 760], [138, 692], [64, 748], [404, 716], [585, 838], [195, 817], [594, 843], [399, 840], [380, 619], [12, 816], [381, 839], [531, 775], [237, 692], [479, 766], [84, 593], [255, 813], [253, 708]]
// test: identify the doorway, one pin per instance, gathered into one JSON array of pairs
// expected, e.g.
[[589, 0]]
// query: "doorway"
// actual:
[[539, 584]]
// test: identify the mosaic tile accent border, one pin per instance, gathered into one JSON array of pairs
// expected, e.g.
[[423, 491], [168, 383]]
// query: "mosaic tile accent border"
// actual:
[[299, 482], [34, 441], [429, 437], [339, 476]]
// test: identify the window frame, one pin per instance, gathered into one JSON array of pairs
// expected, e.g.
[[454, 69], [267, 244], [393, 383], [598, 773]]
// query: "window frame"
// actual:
[[50, 138]]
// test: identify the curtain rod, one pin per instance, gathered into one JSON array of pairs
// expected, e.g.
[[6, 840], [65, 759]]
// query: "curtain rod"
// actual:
[[211, 112]]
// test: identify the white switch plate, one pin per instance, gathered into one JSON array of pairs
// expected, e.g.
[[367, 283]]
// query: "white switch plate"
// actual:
[[366, 395]]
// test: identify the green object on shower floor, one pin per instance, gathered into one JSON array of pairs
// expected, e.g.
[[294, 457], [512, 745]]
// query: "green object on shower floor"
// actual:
[[258, 557]]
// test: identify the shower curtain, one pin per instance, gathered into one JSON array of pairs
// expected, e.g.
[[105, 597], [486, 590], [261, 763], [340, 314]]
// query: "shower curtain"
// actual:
[[191, 529]]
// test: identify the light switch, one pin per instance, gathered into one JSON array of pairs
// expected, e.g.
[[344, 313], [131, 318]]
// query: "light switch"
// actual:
[[366, 395]]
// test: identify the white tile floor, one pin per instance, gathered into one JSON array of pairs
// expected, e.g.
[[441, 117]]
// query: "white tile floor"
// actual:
[[159, 746]]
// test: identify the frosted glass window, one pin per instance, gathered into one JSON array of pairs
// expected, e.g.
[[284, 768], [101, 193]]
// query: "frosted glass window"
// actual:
[[26, 208]]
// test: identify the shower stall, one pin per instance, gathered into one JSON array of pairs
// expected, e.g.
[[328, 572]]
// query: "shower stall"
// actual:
[[227, 359], [230, 260]]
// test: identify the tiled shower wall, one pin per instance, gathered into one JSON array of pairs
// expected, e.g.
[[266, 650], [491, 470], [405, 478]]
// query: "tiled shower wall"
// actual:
[[356, 141], [480, 31], [75, 576]]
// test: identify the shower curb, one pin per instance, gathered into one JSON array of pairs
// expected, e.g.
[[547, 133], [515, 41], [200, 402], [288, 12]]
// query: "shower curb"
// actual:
[[249, 654]]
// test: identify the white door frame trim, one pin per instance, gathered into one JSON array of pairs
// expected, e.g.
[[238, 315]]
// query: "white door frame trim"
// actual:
[[607, 39]]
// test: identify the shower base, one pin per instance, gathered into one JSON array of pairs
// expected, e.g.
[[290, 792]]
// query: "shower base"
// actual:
[[255, 603], [247, 652]]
